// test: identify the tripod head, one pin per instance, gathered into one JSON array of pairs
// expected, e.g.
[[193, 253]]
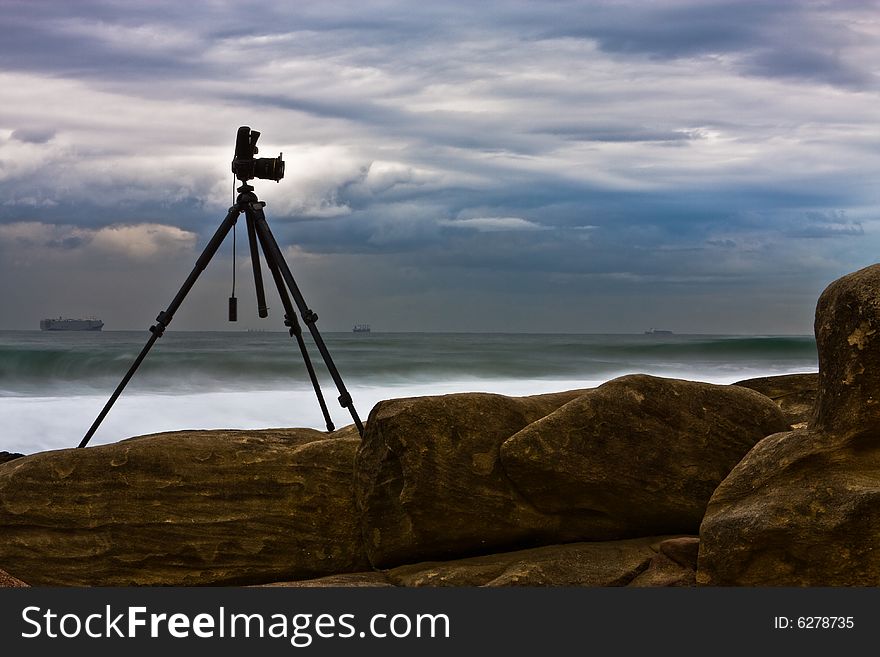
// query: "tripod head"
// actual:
[[245, 166]]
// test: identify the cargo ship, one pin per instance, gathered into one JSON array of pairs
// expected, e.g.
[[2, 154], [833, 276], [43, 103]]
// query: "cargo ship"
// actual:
[[63, 324], [361, 328]]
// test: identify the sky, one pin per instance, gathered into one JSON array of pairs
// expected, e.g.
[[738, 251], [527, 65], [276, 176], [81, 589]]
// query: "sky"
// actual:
[[701, 166]]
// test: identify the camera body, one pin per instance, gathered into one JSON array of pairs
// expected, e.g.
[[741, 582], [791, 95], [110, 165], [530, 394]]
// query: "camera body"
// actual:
[[245, 166]]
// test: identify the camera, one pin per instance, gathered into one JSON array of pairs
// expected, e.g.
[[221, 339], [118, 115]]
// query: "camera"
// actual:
[[245, 166]]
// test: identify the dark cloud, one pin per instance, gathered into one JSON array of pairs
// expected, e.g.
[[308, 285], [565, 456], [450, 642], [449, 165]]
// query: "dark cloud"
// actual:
[[825, 225], [799, 41], [501, 153], [804, 63], [33, 135], [621, 134], [671, 30]]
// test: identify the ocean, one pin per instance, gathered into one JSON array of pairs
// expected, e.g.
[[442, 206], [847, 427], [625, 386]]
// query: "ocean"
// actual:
[[53, 385]]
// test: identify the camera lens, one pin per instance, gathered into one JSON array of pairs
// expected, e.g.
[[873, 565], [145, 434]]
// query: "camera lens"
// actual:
[[269, 168]]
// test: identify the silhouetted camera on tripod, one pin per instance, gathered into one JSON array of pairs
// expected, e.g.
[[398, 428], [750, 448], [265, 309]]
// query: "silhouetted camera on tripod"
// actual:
[[245, 166]]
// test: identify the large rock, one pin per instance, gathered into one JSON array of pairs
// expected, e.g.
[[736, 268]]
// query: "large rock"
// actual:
[[800, 510], [184, 508], [429, 483], [639, 455], [794, 393], [803, 507], [848, 339]]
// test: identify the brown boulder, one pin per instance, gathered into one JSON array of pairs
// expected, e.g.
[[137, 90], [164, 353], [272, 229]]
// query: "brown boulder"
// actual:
[[848, 339], [639, 455], [803, 507], [429, 483], [183, 508], [794, 393]]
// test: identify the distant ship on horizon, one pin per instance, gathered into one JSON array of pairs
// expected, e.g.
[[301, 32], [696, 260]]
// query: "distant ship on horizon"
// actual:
[[361, 328], [66, 324], [654, 331]]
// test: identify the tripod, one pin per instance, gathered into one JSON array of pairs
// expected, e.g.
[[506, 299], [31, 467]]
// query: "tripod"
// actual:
[[258, 231]]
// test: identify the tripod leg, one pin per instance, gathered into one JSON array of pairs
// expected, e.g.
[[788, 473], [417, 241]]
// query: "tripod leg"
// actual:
[[163, 319], [273, 251], [296, 331], [262, 310]]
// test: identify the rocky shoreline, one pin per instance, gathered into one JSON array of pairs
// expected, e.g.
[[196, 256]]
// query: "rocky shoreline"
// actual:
[[643, 481]]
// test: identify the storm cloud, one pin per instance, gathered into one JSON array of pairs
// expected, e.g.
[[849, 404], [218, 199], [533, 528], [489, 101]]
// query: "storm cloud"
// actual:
[[554, 166]]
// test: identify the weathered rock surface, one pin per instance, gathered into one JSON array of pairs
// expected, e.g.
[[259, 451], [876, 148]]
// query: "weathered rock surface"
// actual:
[[683, 550], [348, 580], [634, 562], [803, 507], [639, 455], [848, 339], [429, 483], [8, 581], [190, 507], [794, 393]]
